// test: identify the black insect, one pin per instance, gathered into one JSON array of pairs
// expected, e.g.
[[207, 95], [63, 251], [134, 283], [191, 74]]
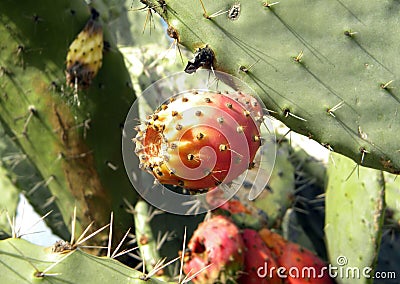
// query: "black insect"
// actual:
[[204, 57], [234, 12]]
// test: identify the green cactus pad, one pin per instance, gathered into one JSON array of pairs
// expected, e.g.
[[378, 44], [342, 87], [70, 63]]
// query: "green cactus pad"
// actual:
[[355, 203], [327, 69], [21, 176], [161, 235], [23, 262], [392, 184], [146, 241], [79, 146], [279, 193], [8, 202]]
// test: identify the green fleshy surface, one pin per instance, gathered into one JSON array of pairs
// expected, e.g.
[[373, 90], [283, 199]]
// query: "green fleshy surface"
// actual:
[[21, 262], [335, 68], [355, 207]]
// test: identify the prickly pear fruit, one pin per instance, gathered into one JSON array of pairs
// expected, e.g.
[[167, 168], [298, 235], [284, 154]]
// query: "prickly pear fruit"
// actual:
[[258, 258], [216, 243], [274, 241], [200, 139], [301, 265], [85, 54]]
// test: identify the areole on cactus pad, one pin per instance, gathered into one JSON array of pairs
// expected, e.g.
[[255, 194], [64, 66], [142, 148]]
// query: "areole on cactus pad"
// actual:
[[199, 139]]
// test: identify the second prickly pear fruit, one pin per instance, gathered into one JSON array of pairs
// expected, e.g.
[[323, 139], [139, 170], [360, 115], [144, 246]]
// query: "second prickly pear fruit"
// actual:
[[258, 258], [217, 248], [300, 265]]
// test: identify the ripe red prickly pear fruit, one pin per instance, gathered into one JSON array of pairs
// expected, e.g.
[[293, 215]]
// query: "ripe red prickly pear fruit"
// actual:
[[200, 139], [301, 265], [258, 260], [216, 243]]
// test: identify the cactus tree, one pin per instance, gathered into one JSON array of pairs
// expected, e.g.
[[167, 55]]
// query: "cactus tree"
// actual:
[[75, 149], [327, 69]]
